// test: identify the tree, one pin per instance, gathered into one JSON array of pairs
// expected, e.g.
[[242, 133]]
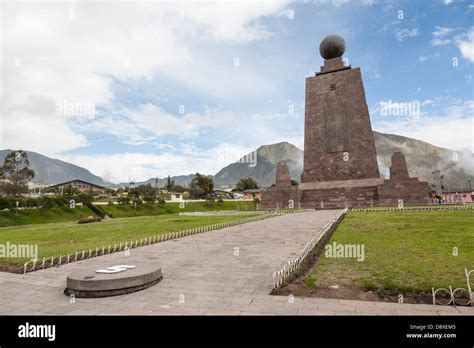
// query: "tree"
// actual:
[[143, 191], [178, 188], [246, 184], [16, 172], [84, 198], [169, 184], [70, 191], [201, 186]]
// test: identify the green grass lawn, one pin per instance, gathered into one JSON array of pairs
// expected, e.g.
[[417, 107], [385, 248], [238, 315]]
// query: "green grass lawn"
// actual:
[[63, 214], [41, 216], [128, 210], [411, 207], [405, 252], [68, 237]]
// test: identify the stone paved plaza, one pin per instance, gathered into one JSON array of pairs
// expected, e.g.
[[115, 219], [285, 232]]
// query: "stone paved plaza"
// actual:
[[227, 271]]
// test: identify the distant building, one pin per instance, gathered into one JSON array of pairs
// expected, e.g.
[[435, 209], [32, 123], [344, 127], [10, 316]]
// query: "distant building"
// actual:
[[252, 194], [176, 196], [459, 196], [223, 194], [237, 195], [35, 188], [81, 185]]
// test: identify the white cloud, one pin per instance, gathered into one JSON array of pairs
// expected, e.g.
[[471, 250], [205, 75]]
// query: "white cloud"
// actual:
[[441, 31], [452, 127], [72, 51], [120, 167], [440, 42], [465, 44], [401, 34], [439, 34], [429, 56], [339, 3], [148, 122], [453, 134]]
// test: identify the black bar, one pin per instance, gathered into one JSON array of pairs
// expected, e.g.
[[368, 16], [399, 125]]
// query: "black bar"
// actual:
[[225, 330]]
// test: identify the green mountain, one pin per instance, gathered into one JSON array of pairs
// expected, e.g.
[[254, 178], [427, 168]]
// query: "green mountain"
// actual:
[[178, 180], [422, 158], [54, 171], [261, 165]]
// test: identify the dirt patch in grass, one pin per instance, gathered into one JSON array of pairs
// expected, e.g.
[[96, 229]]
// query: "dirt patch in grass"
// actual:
[[345, 292], [8, 267]]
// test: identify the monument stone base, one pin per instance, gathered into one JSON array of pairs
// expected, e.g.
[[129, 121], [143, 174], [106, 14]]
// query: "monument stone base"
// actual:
[[280, 197], [339, 194], [283, 194], [88, 283], [401, 188]]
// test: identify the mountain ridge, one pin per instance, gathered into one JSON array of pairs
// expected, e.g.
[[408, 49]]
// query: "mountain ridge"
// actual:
[[422, 158], [52, 171]]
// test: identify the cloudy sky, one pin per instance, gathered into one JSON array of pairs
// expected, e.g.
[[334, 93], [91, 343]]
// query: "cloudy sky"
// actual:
[[143, 89]]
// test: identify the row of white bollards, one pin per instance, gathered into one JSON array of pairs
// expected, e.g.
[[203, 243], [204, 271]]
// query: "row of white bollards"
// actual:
[[293, 264]]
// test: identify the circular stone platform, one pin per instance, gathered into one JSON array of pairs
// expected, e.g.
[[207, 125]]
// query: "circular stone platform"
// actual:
[[125, 279]]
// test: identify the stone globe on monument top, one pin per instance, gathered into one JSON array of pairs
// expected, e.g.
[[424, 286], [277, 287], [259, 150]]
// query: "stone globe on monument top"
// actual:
[[332, 46]]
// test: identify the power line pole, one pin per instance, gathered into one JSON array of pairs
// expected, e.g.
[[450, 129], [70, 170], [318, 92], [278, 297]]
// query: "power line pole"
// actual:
[[156, 195]]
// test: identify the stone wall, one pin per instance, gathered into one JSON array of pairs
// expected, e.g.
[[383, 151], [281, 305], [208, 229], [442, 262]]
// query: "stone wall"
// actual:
[[279, 197], [283, 194], [400, 187], [339, 198]]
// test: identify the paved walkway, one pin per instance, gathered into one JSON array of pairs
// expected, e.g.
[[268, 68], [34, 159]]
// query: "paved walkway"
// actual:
[[227, 271]]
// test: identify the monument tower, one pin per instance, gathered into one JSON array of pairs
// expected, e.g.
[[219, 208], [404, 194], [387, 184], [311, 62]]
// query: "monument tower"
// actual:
[[340, 161]]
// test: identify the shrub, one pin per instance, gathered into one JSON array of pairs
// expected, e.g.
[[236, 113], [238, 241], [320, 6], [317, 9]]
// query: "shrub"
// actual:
[[51, 202], [30, 202], [149, 199], [137, 201], [6, 202], [84, 198], [123, 200], [89, 219], [256, 203], [46, 202], [209, 202]]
